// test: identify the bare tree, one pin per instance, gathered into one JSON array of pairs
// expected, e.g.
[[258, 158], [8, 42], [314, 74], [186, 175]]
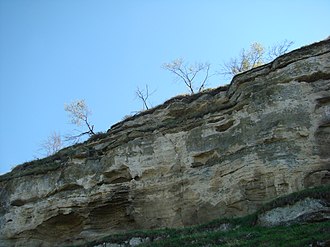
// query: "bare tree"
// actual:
[[254, 57], [194, 76], [79, 115], [52, 144], [143, 95], [279, 49], [247, 59]]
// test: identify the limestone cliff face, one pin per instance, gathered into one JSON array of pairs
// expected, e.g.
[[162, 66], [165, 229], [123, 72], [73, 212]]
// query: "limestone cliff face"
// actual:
[[195, 158]]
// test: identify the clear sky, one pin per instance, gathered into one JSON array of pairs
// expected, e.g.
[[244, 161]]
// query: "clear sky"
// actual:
[[55, 51]]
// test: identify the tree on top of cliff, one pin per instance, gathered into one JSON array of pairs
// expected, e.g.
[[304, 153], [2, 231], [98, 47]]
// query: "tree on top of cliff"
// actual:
[[79, 115], [193, 76], [246, 60], [255, 56], [143, 95], [278, 49], [52, 144]]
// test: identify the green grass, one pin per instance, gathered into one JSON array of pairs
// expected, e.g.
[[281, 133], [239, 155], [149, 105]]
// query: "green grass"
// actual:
[[296, 235], [242, 231]]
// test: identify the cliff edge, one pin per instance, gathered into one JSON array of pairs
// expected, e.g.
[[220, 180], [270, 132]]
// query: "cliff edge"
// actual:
[[223, 152]]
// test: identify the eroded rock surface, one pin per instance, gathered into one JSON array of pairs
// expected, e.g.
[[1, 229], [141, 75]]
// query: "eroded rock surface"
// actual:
[[223, 152], [306, 210]]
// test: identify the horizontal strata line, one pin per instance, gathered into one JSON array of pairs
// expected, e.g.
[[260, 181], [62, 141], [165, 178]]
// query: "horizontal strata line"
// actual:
[[314, 77], [280, 66], [270, 69]]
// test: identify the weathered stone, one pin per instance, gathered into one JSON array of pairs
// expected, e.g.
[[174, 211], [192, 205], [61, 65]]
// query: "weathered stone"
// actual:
[[302, 211], [222, 152], [136, 241]]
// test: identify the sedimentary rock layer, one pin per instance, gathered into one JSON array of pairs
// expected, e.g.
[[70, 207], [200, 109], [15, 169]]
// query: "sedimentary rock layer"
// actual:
[[222, 152]]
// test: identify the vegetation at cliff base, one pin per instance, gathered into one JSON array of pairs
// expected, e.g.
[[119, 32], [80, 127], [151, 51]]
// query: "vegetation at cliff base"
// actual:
[[241, 231], [296, 235], [216, 234]]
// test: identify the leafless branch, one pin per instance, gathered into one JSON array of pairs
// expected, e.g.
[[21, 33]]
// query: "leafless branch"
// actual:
[[254, 57], [52, 144], [76, 138], [143, 95], [279, 49], [189, 74], [79, 115]]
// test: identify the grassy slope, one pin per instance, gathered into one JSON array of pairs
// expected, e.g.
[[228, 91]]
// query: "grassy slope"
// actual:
[[241, 231], [297, 235]]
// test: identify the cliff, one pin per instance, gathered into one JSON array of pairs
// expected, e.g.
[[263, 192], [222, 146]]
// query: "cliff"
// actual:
[[222, 152]]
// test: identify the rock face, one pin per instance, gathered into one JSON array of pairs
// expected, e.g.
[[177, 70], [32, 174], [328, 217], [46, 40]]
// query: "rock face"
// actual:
[[223, 152], [307, 210]]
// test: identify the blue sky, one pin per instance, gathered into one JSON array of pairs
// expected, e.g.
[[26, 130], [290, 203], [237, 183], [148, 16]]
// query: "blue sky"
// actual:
[[54, 52]]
